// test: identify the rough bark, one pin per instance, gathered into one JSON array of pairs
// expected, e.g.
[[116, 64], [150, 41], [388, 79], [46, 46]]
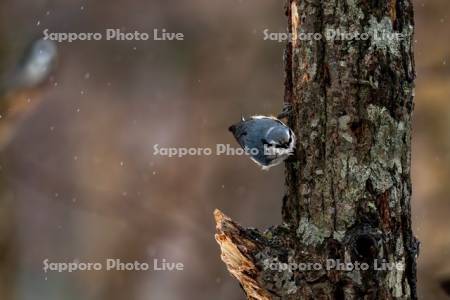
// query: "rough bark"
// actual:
[[349, 188]]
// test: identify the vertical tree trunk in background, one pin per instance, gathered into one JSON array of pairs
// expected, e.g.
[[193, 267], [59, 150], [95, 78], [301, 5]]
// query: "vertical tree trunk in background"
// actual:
[[349, 192], [8, 244], [15, 106], [8, 238]]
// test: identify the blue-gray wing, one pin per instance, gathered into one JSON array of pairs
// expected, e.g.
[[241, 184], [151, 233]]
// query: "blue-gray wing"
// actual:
[[250, 134]]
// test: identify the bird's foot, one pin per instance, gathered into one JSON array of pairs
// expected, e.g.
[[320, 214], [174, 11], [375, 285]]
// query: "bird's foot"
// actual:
[[287, 109]]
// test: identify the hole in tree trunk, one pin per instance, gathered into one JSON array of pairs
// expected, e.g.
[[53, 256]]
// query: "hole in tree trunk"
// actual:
[[339, 292], [445, 285], [365, 247]]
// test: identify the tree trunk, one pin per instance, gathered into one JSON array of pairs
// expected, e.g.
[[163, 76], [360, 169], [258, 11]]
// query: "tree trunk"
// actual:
[[349, 188]]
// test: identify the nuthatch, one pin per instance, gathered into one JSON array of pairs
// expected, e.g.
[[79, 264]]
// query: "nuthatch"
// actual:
[[268, 140], [35, 66], [24, 82]]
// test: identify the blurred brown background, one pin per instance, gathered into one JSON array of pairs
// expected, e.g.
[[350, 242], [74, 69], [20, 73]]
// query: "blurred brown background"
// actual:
[[81, 170]]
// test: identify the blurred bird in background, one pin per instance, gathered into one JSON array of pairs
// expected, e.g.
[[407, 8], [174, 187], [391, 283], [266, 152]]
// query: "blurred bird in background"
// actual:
[[20, 88], [19, 94]]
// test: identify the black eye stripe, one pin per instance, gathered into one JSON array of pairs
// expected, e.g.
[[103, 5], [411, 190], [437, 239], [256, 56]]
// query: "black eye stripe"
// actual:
[[282, 146], [265, 142]]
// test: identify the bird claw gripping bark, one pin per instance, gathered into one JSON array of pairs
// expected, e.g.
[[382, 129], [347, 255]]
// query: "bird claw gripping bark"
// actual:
[[287, 110]]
